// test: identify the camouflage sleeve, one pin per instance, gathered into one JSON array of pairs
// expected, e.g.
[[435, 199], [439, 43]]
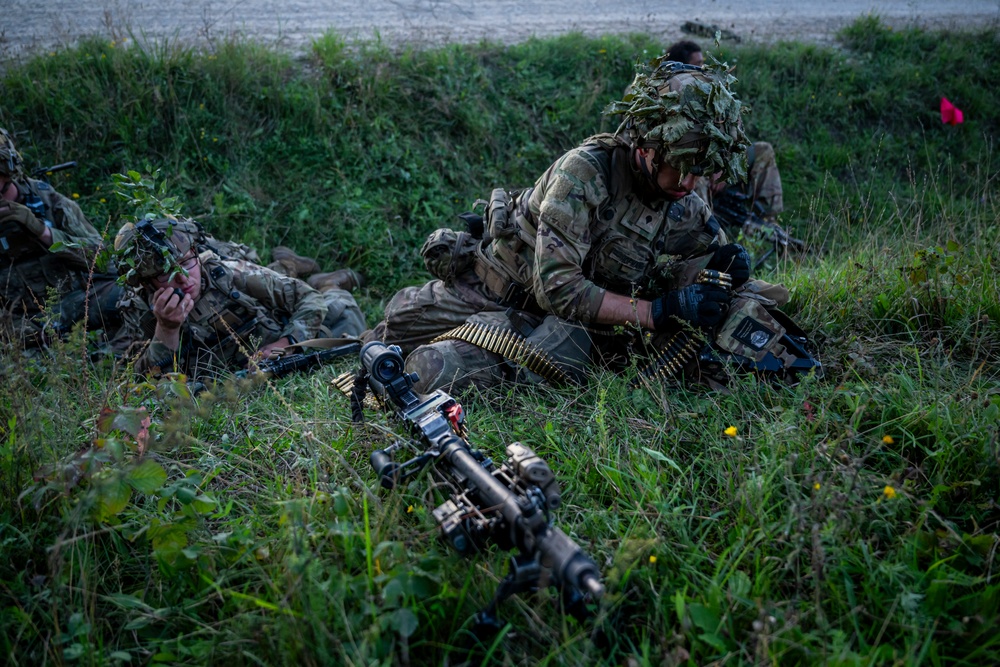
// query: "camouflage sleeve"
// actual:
[[70, 227], [563, 202], [291, 299]]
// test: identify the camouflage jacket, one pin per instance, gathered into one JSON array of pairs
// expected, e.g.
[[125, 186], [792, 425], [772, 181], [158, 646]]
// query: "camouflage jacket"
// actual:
[[24, 280], [586, 227], [242, 307]]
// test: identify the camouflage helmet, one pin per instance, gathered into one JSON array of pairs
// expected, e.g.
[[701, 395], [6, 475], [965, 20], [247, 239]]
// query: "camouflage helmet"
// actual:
[[689, 115], [151, 248], [11, 163]]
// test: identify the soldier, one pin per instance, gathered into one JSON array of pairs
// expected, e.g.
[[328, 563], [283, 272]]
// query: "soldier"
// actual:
[[566, 263], [764, 183], [34, 217], [194, 312]]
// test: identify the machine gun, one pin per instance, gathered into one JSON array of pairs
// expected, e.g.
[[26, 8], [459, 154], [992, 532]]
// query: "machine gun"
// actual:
[[302, 361], [507, 505], [737, 212]]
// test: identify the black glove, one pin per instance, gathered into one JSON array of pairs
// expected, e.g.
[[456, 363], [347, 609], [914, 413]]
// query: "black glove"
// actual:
[[734, 260], [701, 305]]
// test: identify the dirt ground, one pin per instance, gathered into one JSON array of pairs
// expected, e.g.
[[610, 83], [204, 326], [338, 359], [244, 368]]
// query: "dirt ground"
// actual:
[[32, 26]]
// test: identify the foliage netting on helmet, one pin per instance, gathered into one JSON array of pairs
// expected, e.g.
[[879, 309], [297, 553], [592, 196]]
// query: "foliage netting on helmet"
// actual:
[[152, 248], [689, 115], [11, 163]]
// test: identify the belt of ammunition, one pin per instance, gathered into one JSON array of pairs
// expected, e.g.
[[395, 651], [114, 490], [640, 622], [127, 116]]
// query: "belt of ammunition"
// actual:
[[510, 345], [710, 277], [672, 357]]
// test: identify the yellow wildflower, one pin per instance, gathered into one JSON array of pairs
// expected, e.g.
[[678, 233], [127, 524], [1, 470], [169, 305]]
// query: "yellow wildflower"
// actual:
[[652, 560], [889, 492], [409, 509], [816, 486], [731, 431], [76, 195], [887, 439], [103, 200]]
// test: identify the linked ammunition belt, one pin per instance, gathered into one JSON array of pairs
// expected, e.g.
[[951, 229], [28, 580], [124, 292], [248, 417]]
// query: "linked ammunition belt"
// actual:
[[683, 346], [510, 345], [666, 362]]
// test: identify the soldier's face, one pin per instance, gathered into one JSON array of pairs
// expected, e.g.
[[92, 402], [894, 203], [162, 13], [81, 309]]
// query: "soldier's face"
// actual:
[[8, 191], [697, 59], [189, 284], [668, 178]]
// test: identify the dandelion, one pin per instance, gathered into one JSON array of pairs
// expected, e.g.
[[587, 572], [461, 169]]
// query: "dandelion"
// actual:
[[76, 195], [816, 486], [887, 439], [652, 560], [731, 431], [409, 509], [889, 492]]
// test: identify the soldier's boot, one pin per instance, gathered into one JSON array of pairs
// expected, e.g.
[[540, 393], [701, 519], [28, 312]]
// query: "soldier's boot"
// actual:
[[288, 263], [345, 279]]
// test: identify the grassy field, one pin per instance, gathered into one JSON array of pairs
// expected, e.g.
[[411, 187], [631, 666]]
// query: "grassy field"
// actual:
[[851, 520]]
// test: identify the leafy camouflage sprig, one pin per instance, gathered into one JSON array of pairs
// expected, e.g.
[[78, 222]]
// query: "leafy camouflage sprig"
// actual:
[[690, 114]]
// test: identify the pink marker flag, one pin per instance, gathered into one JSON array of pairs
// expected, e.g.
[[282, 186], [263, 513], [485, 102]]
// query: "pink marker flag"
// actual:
[[950, 114]]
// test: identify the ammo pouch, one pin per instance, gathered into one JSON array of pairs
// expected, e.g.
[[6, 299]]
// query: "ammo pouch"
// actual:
[[760, 337], [448, 254]]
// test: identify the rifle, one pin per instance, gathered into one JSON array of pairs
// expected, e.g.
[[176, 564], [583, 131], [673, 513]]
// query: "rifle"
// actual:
[[739, 212], [507, 505], [291, 363], [44, 172]]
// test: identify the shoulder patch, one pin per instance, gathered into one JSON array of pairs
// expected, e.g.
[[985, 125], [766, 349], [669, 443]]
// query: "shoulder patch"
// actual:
[[579, 166], [676, 211]]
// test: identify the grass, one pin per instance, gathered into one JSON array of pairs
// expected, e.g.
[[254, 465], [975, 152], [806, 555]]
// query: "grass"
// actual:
[[851, 520]]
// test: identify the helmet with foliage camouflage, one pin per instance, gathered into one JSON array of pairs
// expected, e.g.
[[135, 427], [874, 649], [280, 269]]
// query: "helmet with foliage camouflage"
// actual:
[[688, 114], [11, 164], [151, 248]]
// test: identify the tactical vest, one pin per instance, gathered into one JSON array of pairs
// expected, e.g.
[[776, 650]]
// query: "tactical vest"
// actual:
[[630, 235]]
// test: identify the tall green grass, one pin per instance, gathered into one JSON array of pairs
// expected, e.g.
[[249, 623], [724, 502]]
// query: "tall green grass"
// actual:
[[850, 520]]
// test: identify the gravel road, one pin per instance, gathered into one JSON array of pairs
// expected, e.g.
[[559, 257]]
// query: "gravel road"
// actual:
[[37, 25]]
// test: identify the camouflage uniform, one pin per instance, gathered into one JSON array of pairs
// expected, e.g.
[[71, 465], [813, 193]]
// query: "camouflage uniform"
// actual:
[[241, 307], [587, 226], [28, 270], [595, 222], [764, 183]]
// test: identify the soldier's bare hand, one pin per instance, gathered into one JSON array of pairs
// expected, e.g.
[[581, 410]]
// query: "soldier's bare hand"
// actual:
[[171, 307], [265, 351]]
